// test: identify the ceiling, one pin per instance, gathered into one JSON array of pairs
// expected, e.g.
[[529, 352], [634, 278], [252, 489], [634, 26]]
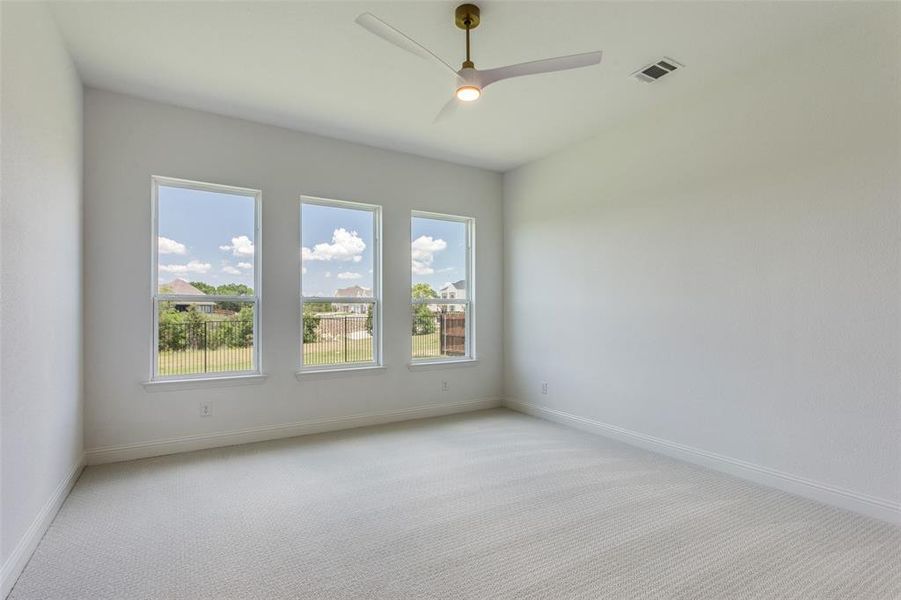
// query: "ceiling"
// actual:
[[308, 66]]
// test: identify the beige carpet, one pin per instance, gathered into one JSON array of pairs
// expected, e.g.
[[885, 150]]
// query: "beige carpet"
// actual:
[[484, 505]]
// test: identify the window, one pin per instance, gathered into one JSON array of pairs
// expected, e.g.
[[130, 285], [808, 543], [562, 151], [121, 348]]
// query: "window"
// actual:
[[340, 284], [206, 280], [442, 295]]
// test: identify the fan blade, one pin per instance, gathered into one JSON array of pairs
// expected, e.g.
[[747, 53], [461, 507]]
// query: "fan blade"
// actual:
[[447, 110], [548, 65], [376, 26]]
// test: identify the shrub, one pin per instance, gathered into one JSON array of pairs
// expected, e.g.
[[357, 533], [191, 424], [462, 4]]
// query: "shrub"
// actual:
[[310, 327], [423, 320]]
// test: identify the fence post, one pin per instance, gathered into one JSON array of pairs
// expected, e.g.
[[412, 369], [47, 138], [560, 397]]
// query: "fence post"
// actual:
[[345, 338]]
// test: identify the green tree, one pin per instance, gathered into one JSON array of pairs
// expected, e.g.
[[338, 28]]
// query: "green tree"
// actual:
[[238, 328], [318, 307], [204, 287], [310, 326], [195, 326], [423, 319], [172, 331], [232, 289], [369, 319], [422, 291]]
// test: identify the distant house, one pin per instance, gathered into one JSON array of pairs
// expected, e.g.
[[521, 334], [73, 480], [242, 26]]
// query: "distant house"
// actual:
[[354, 291], [183, 288], [453, 291]]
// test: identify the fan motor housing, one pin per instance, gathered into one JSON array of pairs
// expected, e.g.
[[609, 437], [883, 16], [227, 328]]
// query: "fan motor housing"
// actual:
[[467, 16]]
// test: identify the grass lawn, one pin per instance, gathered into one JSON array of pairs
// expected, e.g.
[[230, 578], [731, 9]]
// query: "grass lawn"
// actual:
[[426, 346], [188, 362], [334, 352]]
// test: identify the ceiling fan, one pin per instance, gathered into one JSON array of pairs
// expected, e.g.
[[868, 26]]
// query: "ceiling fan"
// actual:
[[471, 81]]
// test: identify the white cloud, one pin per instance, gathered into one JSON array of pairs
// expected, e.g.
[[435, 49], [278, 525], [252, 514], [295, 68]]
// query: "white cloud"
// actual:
[[345, 246], [244, 265], [231, 270], [303, 270], [167, 246], [328, 273], [240, 246], [349, 275], [423, 252], [192, 267]]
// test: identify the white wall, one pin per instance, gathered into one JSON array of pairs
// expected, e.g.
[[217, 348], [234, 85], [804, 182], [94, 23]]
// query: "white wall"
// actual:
[[40, 320], [127, 140], [724, 273]]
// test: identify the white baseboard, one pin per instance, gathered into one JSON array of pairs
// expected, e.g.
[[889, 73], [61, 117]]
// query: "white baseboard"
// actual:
[[23, 550], [870, 506], [96, 456]]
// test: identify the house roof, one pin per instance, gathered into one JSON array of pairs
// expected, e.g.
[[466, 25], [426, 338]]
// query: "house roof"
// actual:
[[354, 291], [460, 285], [180, 286]]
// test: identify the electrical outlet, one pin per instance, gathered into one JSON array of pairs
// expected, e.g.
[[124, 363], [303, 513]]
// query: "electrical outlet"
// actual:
[[544, 387], [444, 386], [206, 409]]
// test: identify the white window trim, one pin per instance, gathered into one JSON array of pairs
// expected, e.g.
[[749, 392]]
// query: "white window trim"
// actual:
[[177, 385], [469, 301], [375, 299], [426, 364], [156, 297]]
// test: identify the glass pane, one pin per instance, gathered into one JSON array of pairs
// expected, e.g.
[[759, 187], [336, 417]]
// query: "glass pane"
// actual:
[[439, 330], [205, 241], [337, 333], [438, 251], [205, 337], [336, 251]]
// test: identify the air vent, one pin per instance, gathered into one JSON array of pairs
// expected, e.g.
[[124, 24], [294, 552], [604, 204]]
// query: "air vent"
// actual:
[[654, 71]]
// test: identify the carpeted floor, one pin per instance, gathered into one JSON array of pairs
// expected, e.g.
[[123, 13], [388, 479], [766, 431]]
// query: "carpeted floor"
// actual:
[[484, 505]]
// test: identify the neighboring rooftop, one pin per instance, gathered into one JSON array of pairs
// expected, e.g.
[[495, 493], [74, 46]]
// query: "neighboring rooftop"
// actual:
[[180, 286], [354, 291]]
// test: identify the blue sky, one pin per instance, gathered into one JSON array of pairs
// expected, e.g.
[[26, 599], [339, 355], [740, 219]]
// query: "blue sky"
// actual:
[[438, 251], [336, 249], [208, 236], [205, 236]]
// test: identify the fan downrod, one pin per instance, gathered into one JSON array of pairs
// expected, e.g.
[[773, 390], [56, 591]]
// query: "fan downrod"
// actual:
[[467, 16]]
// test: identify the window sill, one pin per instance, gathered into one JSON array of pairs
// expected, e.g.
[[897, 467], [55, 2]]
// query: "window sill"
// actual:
[[335, 373], [441, 364], [174, 385]]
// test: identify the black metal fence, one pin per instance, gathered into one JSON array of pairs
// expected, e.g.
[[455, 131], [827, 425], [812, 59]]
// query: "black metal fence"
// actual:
[[205, 347], [227, 345], [438, 333], [335, 340]]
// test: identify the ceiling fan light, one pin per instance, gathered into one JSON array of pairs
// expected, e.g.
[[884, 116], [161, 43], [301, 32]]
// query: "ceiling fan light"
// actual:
[[468, 93]]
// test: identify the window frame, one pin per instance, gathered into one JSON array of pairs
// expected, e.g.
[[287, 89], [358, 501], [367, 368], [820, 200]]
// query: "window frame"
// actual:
[[469, 301], [156, 297], [375, 299]]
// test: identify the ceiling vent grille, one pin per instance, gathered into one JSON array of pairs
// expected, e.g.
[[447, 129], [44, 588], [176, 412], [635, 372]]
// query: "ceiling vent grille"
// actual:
[[657, 70]]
